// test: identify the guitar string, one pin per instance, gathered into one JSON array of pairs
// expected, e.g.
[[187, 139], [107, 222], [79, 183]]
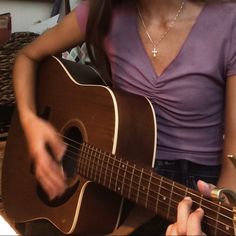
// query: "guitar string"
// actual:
[[176, 203], [173, 207], [155, 177], [125, 163], [117, 160], [102, 168]]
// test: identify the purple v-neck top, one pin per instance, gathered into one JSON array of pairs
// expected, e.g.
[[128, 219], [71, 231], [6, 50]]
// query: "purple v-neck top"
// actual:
[[188, 97]]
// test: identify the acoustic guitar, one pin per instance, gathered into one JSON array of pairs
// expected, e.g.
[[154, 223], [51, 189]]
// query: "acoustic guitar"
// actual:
[[111, 139]]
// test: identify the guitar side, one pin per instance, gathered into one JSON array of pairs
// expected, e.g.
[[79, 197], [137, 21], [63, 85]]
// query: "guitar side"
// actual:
[[88, 113]]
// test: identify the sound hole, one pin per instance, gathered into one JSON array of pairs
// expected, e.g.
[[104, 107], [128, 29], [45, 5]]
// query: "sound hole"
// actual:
[[73, 140]]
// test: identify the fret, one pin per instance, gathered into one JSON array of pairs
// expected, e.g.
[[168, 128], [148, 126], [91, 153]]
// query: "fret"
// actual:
[[93, 176], [127, 179], [114, 174], [196, 198], [117, 178], [165, 195], [94, 162], [131, 182], [112, 167], [200, 202], [86, 171], [210, 209], [161, 198], [80, 165], [186, 192], [148, 189], [225, 220], [100, 174], [139, 183], [135, 184], [106, 168], [143, 186], [97, 164], [124, 166], [158, 194], [84, 160], [217, 218], [170, 199], [89, 161], [178, 192]]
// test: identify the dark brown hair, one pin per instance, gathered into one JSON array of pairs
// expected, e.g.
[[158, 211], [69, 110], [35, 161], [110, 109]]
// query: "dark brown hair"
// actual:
[[98, 25]]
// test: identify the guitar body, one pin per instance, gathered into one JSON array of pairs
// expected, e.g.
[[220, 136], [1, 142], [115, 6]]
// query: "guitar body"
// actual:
[[73, 99]]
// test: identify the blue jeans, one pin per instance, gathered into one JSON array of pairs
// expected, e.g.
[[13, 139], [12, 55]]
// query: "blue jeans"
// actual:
[[186, 173]]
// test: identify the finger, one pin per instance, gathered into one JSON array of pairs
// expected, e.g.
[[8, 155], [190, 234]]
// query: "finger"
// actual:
[[171, 229], [205, 188], [47, 186], [50, 184], [194, 222], [184, 209], [50, 175], [57, 146]]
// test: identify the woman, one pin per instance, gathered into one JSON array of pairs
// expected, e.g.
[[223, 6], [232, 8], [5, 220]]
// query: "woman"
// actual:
[[178, 53]]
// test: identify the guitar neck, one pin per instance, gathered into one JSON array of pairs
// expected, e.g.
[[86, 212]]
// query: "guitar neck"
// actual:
[[150, 190]]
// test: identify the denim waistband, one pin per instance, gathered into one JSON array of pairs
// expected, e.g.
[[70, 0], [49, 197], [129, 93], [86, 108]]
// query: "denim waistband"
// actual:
[[183, 171], [183, 163]]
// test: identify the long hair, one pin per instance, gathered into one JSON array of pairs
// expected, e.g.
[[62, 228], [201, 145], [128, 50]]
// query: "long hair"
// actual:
[[98, 25]]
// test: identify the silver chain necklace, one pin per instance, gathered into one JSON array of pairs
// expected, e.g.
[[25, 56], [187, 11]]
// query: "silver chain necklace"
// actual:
[[155, 45]]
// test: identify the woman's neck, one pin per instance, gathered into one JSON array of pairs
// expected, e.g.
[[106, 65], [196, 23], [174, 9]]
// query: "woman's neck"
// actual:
[[161, 10]]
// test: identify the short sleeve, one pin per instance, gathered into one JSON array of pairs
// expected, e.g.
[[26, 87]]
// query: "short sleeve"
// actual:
[[82, 15], [231, 68]]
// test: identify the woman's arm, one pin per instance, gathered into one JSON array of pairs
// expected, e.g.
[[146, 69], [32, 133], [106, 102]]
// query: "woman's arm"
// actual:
[[63, 36], [228, 172], [39, 133], [188, 223]]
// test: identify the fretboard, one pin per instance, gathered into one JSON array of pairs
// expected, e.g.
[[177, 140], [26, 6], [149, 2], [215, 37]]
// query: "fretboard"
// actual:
[[150, 190]]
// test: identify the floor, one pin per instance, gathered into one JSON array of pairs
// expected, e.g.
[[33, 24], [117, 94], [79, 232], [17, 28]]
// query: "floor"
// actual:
[[5, 228]]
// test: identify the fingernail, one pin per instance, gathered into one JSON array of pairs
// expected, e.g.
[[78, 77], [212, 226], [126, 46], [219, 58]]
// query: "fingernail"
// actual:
[[204, 184], [200, 210], [188, 198]]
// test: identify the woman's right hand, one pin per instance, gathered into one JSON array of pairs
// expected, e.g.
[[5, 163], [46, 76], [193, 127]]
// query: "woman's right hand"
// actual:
[[42, 137]]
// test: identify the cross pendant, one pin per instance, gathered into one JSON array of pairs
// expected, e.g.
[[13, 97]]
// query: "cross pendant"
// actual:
[[154, 52]]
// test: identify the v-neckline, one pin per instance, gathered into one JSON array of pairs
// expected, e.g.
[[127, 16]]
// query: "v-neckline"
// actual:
[[167, 68]]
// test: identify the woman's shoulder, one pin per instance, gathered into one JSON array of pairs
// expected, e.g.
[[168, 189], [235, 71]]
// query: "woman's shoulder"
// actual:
[[82, 14], [223, 7], [220, 14]]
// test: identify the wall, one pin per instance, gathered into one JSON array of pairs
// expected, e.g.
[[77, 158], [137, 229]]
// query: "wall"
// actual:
[[26, 13]]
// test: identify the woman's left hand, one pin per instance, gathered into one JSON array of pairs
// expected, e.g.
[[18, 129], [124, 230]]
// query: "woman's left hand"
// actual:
[[188, 223]]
